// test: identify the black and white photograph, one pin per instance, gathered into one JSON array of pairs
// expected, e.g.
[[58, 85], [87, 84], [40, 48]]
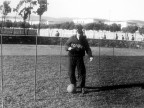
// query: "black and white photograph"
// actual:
[[71, 54]]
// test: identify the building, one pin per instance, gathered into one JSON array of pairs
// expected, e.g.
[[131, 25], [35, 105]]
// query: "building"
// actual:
[[84, 21], [87, 20]]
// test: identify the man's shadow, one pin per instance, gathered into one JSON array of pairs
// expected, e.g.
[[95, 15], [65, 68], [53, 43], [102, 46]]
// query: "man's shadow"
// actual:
[[107, 88]]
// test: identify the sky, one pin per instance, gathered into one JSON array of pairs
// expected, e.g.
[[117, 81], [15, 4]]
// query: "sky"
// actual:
[[104, 9]]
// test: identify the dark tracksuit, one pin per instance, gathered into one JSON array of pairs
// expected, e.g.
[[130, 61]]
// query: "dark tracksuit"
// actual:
[[76, 58]]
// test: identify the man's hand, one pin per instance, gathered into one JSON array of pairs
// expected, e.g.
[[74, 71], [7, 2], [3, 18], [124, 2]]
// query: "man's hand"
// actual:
[[70, 48], [90, 59]]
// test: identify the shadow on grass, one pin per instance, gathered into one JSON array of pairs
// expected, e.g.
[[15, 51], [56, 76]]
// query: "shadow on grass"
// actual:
[[107, 88]]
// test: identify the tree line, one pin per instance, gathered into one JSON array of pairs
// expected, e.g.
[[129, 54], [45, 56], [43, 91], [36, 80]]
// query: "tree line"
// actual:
[[26, 7], [71, 25]]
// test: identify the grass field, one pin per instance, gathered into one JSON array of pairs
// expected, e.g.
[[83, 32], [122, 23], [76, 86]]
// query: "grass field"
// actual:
[[112, 81]]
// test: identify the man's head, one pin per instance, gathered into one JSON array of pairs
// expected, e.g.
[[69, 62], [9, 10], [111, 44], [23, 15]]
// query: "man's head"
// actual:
[[79, 29]]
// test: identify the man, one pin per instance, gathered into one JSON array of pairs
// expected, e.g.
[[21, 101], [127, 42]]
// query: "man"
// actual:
[[122, 37], [76, 46], [132, 37], [57, 34], [116, 36]]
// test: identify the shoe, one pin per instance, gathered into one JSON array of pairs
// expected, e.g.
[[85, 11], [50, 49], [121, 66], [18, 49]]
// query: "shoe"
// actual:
[[83, 90]]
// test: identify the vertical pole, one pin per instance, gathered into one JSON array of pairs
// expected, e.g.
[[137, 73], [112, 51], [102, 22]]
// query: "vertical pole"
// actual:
[[113, 58], [35, 70], [2, 66], [135, 37], [2, 73], [114, 42], [60, 63], [93, 34], [36, 59], [99, 53]]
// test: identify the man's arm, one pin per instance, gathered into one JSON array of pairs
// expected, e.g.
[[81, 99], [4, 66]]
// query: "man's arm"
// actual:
[[67, 45], [87, 48]]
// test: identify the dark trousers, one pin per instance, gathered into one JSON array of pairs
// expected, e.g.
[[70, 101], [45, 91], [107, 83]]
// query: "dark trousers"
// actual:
[[79, 63]]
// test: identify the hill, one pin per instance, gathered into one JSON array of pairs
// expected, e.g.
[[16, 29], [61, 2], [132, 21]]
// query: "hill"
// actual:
[[137, 22], [46, 18]]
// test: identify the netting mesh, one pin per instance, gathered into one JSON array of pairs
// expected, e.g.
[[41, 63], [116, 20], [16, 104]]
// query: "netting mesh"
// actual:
[[31, 74]]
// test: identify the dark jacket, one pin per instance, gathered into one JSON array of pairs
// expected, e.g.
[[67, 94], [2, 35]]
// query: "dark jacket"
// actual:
[[79, 46]]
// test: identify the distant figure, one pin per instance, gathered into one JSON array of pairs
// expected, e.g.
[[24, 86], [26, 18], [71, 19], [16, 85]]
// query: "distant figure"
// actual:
[[132, 37], [127, 37], [122, 37], [104, 36], [116, 36], [57, 34]]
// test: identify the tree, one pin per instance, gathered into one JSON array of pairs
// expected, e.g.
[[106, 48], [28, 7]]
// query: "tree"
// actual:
[[67, 25], [17, 8], [42, 8], [124, 29], [141, 30], [89, 26], [106, 27], [26, 10], [114, 27], [72, 25], [96, 26], [8, 23], [132, 29], [5, 9]]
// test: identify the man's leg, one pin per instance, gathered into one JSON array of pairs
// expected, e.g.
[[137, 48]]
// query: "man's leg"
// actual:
[[81, 72], [71, 73]]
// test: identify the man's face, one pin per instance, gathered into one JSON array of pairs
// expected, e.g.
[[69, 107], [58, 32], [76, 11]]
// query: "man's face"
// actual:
[[79, 33]]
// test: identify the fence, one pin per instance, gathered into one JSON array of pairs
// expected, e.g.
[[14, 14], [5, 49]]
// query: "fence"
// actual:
[[18, 31], [67, 33], [91, 34], [41, 40], [35, 75]]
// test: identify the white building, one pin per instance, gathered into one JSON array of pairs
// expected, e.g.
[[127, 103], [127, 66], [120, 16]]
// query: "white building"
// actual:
[[93, 20], [87, 20], [83, 21]]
